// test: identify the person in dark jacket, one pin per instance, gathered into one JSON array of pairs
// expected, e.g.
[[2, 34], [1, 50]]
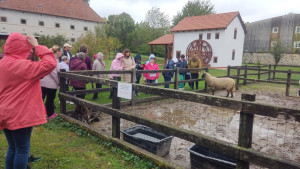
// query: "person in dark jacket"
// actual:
[[78, 65], [66, 51], [138, 66], [182, 64], [88, 61], [169, 64]]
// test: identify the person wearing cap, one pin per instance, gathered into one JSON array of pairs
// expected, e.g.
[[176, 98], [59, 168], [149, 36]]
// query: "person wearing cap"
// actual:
[[66, 51], [98, 65]]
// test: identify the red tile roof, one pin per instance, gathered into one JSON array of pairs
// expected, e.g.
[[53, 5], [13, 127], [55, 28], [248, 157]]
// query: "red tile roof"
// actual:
[[76, 9], [204, 22], [163, 40]]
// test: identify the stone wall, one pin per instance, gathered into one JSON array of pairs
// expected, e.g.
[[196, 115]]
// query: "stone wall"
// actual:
[[267, 58]]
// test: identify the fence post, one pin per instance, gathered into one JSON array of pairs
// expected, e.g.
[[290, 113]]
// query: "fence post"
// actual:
[[288, 83], [228, 71], [176, 78], [274, 72], [116, 105], [62, 89], [258, 75], [245, 75], [269, 73], [133, 79], [205, 84], [245, 130], [238, 78]]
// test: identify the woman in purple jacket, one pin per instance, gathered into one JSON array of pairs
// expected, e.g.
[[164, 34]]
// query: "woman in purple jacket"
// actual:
[[78, 64]]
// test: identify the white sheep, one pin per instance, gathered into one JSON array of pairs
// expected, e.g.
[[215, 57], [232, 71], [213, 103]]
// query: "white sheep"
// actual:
[[219, 83]]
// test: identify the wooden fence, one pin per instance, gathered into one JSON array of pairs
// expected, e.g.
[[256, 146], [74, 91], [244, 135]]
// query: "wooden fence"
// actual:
[[243, 151], [261, 70]]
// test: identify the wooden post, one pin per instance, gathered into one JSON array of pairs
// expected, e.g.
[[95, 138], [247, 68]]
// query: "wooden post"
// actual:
[[274, 72], [269, 73], [238, 78], [205, 84], [245, 130], [228, 71], [245, 75], [288, 82], [133, 79], [116, 104], [63, 89], [258, 75], [176, 78]]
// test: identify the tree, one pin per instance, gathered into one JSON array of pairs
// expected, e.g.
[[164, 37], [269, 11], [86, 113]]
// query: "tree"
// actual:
[[121, 27], [194, 8], [50, 41], [278, 50], [87, 1], [157, 19]]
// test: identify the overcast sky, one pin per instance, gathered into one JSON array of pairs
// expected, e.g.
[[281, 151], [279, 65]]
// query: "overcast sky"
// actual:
[[250, 10]]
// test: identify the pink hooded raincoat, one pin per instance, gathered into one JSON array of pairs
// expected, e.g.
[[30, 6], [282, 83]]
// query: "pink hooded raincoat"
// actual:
[[21, 103], [116, 64]]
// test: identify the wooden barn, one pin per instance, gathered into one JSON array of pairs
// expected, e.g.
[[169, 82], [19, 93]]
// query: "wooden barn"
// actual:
[[263, 35], [217, 39]]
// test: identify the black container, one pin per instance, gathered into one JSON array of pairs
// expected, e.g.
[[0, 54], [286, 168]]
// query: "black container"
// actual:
[[148, 139], [202, 157]]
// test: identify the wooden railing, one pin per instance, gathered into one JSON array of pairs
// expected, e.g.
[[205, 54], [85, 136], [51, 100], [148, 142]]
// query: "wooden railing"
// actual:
[[261, 71], [243, 151]]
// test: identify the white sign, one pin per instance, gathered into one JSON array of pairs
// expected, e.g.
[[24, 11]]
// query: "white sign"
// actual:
[[124, 90]]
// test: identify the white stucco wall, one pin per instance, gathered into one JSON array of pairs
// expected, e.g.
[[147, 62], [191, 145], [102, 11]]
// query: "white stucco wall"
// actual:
[[13, 24], [222, 47]]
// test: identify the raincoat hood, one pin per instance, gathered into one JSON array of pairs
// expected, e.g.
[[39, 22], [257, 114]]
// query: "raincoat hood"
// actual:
[[151, 56], [119, 55], [17, 46], [138, 56]]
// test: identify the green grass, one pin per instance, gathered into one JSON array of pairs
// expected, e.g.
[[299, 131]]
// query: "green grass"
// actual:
[[65, 146]]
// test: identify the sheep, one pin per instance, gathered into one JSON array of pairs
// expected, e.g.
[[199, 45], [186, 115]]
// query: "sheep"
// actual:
[[219, 83]]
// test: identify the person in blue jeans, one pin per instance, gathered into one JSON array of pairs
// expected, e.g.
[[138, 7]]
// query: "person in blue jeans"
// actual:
[[182, 64], [21, 106], [169, 64]]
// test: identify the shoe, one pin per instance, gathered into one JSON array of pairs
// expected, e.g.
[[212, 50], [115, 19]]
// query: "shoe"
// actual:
[[52, 116], [97, 98], [33, 159]]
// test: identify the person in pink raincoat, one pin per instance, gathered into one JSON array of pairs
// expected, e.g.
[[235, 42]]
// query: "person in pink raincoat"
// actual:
[[151, 77], [116, 64], [21, 101]]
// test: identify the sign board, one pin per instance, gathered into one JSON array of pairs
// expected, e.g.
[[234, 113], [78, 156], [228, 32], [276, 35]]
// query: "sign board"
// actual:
[[124, 90]]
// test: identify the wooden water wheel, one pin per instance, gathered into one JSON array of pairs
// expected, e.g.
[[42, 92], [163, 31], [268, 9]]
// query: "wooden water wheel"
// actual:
[[202, 49]]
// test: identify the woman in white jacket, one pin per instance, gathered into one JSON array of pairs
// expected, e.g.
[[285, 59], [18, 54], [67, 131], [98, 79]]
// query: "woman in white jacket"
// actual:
[[98, 65], [50, 84]]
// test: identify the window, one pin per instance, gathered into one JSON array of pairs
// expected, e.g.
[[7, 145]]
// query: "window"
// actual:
[[296, 44], [233, 54], [3, 19], [275, 30], [178, 52], [217, 35], [200, 36], [57, 25], [235, 33], [23, 21], [297, 29], [85, 28], [208, 35], [215, 59], [41, 23], [72, 27], [273, 43], [72, 39]]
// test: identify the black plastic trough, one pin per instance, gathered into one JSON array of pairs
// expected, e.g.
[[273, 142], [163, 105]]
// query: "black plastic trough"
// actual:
[[148, 139]]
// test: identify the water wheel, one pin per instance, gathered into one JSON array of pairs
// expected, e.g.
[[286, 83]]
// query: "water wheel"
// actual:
[[202, 49]]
